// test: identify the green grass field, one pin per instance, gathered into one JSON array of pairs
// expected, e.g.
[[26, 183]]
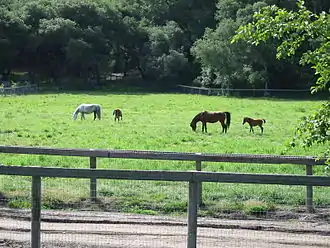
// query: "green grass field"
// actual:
[[152, 122]]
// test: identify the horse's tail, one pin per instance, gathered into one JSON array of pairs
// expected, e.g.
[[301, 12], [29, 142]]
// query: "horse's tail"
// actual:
[[264, 120], [98, 110], [227, 119]]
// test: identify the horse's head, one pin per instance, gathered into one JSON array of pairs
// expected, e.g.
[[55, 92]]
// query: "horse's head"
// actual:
[[74, 115], [244, 120], [193, 123], [193, 126]]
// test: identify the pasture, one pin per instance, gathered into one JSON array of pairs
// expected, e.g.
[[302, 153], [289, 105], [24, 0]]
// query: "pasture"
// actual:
[[153, 122]]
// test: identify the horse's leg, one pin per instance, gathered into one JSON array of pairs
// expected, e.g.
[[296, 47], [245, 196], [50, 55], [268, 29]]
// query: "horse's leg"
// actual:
[[82, 116], [262, 129], [204, 127], [224, 126], [252, 129], [94, 115]]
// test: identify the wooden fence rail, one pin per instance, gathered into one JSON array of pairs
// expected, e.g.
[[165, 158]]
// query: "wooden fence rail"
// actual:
[[193, 177], [308, 161], [158, 155]]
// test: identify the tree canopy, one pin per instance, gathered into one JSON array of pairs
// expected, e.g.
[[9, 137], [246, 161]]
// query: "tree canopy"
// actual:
[[291, 30], [164, 42]]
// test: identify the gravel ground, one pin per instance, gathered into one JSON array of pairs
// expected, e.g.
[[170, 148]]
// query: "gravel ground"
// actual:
[[101, 229]]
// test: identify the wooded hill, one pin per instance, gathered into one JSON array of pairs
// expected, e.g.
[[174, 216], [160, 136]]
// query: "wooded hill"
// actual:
[[165, 42]]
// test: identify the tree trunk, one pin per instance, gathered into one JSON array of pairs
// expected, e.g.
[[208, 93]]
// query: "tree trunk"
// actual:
[[98, 76], [5, 78], [143, 76], [32, 77], [266, 92]]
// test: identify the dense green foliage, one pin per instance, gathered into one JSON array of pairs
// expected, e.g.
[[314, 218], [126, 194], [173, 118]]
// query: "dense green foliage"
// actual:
[[164, 42], [292, 29], [45, 120]]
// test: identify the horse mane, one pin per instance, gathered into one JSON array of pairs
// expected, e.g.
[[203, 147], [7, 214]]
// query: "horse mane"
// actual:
[[197, 118]]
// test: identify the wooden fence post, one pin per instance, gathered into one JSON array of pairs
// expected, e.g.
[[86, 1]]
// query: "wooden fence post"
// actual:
[[309, 190], [192, 215], [199, 185], [92, 164], [36, 206]]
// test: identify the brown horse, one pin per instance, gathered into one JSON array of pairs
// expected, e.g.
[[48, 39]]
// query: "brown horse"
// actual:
[[254, 122], [212, 117], [118, 114]]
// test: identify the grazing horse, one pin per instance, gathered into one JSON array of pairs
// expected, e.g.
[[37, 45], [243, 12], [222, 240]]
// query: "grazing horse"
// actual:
[[212, 117], [118, 114], [87, 109], [254, 122]]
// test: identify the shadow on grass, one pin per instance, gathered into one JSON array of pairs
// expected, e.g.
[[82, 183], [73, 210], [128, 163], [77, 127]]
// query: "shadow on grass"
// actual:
[[288, 99], [147, 91], [278, 96], [119, 87], [3, 199]]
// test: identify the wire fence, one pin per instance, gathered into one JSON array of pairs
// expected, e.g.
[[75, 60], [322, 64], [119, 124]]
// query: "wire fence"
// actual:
[[234, 221], [19, 90], [292, 93], [99, 207]]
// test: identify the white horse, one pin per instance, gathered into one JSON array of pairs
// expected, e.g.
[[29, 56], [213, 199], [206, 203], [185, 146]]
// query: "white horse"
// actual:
[[87, 109]]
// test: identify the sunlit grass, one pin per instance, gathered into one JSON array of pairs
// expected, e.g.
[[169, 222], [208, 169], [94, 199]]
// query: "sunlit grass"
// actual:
[[151, 122]]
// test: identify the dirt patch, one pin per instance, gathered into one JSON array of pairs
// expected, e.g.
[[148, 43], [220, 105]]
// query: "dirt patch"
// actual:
[[108, 230]]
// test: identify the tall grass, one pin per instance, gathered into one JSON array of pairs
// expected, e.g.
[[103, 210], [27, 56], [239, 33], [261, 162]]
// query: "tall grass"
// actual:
[[152, 122]]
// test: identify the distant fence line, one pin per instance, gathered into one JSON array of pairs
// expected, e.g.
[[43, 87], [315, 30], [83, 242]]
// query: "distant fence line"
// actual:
[[228, 91], [19, 90]]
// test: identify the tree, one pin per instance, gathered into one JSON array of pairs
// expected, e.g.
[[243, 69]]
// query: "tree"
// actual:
[[55, 33], [165, 60], [13, 36], [227, 65], [292, 29]]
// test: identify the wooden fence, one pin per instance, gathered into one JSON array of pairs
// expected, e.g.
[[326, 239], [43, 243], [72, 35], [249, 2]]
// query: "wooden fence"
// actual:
[[198, 158], [193, 177]]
